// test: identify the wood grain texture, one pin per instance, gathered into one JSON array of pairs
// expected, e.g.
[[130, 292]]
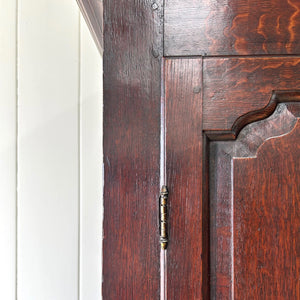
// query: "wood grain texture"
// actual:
[[233, 87], [92, 11], [267, 221], [133, 47], [184, 149], [254, 186], [209, 27]]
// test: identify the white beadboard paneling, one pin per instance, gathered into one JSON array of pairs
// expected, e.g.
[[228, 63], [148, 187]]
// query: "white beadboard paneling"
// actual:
[[48, 156], [91, 168], [7, 149]]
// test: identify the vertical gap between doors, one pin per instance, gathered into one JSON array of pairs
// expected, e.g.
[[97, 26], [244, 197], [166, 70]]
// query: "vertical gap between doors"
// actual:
[[17, 144], [163, 180]]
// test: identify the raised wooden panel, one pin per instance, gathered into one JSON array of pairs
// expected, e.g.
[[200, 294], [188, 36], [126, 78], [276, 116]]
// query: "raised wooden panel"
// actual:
[[234, 87], [184, 163], [254, 210], [208, 27]]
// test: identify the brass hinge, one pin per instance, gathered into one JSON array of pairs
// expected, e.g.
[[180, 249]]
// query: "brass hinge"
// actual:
[[163, 217]]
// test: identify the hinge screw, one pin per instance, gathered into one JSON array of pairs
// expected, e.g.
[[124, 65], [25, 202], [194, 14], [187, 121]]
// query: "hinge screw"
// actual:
[[154, 6]]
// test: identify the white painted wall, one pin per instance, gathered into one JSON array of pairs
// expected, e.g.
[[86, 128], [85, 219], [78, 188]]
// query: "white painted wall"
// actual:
[[7, 149], [91, 157], [50, 153]]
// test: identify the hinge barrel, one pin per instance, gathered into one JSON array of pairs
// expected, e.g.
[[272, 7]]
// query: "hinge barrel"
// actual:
[[163, 217]]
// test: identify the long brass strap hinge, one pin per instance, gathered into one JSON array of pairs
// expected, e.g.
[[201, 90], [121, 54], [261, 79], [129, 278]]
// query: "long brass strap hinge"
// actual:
[[163, 217]]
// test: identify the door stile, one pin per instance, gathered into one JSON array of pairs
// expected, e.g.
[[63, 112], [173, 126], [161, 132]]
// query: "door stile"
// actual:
[[184, 162]]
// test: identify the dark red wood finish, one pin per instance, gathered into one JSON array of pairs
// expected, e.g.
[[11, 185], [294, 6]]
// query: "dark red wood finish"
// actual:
[[92, 11], [184, 148], [254, 195], [187, 172], [132, 63], [235, 86], [214, 240], [267, 221], [234, 27]]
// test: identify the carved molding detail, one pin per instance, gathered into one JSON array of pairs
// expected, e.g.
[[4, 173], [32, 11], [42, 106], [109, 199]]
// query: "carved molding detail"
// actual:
[[254, 116]]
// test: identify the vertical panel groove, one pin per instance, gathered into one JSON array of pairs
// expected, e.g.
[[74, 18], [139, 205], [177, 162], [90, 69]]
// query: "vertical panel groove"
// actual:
[[17, 143], [79, 154]]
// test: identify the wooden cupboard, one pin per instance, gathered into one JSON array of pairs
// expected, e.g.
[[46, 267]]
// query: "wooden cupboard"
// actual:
[[203, 96]]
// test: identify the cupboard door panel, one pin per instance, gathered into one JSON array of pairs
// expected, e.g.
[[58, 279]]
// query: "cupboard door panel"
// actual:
[[254, 204]]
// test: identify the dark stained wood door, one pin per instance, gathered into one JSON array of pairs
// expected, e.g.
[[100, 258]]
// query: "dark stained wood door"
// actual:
[[232, 92], [211, 88], [233, 181]]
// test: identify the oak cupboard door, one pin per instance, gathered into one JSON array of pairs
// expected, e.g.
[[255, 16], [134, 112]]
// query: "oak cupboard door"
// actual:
[[233, 174], [231, 92]]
